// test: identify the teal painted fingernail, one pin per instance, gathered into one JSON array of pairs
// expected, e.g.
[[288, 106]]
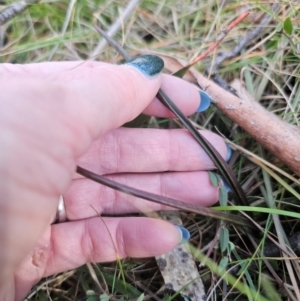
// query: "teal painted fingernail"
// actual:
[[229, 153], [148, 64], [204, 102], [184, 234], [225, 184]]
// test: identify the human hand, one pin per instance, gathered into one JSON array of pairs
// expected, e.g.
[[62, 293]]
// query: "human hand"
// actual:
[[55, 116]]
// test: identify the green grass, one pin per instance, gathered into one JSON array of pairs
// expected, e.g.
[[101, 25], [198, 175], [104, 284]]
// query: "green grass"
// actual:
[[269, 68]]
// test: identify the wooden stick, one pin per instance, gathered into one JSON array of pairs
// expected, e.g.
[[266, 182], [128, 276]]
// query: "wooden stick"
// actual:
[[277, 136]]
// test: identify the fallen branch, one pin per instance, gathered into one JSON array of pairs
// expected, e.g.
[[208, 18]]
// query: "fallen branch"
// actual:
[[277, 136], [221, 57], [220, 38]]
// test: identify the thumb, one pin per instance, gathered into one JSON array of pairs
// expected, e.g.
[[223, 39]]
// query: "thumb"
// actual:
[[106, 96], [89, 98]]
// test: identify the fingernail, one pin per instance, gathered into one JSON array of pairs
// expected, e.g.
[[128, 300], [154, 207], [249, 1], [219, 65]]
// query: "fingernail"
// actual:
[[148, 64], [227, 187], [184, 234], [229, 153], [204, 102]]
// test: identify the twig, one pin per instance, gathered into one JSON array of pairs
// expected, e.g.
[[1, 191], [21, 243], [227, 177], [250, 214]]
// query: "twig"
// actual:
[[14, 10], [115, 27], [219, 39], [221, 57]]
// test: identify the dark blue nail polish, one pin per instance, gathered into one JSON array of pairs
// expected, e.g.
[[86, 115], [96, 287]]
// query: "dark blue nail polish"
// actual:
[[227, 187], [148, 64], [229, 153], [184, 234], [204, 102]]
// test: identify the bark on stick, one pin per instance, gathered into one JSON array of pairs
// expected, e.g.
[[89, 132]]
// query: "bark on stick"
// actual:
[[280, 138]]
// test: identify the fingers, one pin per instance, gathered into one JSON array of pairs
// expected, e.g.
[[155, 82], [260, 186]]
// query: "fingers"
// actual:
[[75, 243], [146, 153], [90, 241], [150, 150], [190, 187]]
